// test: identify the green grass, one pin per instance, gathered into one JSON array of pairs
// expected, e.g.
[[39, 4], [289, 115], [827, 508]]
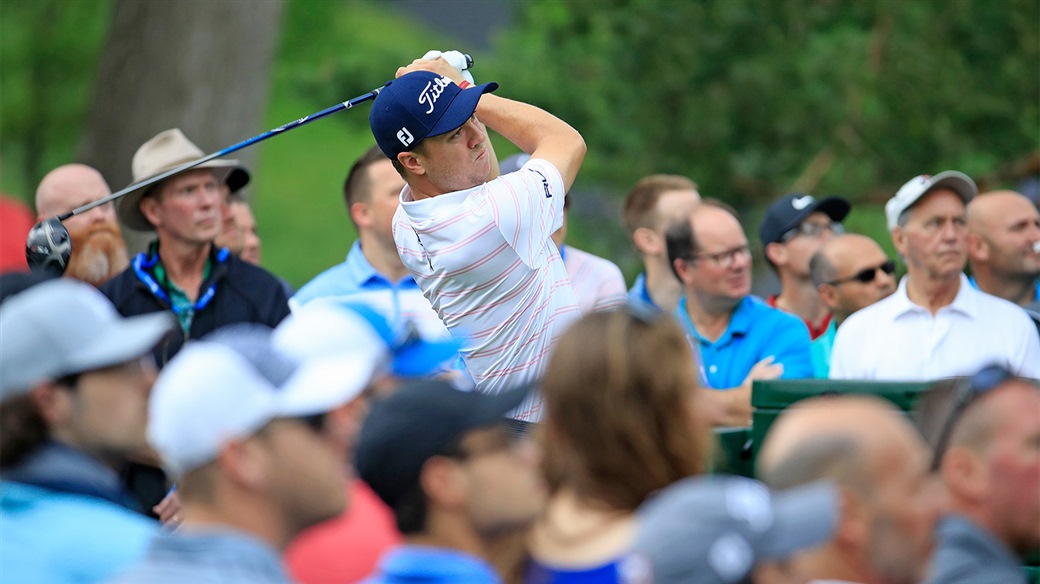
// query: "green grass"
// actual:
[[298, 197]]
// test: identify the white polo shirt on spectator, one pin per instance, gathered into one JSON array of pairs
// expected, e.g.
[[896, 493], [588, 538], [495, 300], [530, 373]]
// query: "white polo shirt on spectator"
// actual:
[[597, 282], [897, 340], [485, 261]]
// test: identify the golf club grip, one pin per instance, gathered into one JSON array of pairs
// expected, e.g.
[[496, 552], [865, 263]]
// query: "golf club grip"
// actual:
[[235, 148]]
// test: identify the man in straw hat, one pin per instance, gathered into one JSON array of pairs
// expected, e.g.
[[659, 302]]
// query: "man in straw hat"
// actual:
[[183, 271]]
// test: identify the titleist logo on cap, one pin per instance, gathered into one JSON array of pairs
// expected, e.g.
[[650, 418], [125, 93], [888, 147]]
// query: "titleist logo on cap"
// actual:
[[432, 91]]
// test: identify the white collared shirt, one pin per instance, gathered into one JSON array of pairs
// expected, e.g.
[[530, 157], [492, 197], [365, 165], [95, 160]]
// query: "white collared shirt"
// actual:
[[897, 340]]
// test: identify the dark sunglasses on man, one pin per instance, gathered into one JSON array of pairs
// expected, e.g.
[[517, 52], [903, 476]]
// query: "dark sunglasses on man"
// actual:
[[867, 275]]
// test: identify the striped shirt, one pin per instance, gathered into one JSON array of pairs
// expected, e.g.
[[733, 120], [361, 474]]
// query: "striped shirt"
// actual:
[[484, 259], [597, 282]]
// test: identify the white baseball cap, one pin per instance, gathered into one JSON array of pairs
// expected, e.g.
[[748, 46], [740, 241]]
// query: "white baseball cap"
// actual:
[[233, 382], [916, 188], [63, 326]]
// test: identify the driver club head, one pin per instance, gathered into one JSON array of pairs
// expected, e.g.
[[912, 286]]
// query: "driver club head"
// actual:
[[48, 248]]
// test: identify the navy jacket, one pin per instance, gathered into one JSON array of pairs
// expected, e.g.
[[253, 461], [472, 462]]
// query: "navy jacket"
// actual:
[[236, 291]]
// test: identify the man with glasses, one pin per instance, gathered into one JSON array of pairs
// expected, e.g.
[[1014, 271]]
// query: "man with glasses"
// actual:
[[935, 324], [985, 431], [792, 230], [458, 481], [739, 337], [245, 429], [851, 272], [74, 383]]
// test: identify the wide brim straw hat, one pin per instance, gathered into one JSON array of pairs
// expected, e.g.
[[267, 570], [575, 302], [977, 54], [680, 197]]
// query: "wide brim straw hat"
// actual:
[[164, 152]]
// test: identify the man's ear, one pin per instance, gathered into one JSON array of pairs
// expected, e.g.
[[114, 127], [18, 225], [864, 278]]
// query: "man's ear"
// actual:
[[411, 162], [361, 214], [777, 254], [150, 209], [899, 240], [54, 405], [647, 241], [245, 462], [964, 474], [978, 249], [443, 483], [828, 295], [682, 268], [854, 522]]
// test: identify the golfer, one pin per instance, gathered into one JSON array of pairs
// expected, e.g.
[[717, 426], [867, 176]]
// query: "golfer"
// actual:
[[480, 249]]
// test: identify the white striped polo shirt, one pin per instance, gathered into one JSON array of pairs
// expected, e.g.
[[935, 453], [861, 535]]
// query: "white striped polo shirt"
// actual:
[[597, 282], [485, 261]]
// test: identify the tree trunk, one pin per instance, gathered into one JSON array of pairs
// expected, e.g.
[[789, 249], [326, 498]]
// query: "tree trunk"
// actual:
[[201, 66]]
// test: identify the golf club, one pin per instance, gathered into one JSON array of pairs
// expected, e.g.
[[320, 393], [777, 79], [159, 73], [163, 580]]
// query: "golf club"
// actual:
[[48, 246]]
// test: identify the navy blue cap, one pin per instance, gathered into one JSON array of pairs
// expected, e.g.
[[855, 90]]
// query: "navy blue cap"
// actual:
[[418, 105], [418, 421], [789, 212]]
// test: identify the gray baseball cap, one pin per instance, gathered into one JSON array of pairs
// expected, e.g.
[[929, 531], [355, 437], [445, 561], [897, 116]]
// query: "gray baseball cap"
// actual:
[[63, 326], [715, 530]]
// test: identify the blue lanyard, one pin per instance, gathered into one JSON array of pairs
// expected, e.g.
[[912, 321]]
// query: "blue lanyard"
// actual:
[[142, 262]]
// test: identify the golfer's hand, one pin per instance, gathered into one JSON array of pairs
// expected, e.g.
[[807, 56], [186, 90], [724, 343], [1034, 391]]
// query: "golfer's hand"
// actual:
[[438, 66]]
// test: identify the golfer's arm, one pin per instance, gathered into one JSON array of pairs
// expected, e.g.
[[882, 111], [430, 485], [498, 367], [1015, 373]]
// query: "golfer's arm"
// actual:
[[536, 132]]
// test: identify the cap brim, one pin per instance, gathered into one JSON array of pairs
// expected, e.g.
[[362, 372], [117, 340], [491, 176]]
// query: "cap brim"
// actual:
[[957, 182], [424, 358], [128, 207], [803, 517], [461, 108], [325, 384], [124, 340]]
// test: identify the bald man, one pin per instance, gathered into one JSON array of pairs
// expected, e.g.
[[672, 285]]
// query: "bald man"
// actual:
[[1004, 248], [889, 508], [98, 251], [986, 434], [850, 272]]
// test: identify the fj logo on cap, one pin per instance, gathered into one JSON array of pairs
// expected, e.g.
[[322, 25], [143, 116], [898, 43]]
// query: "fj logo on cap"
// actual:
[[432, 91], [802, 202], [405, 136]]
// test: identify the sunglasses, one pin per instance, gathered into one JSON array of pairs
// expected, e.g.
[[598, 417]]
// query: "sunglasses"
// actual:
[[968, 392], [866, 276]]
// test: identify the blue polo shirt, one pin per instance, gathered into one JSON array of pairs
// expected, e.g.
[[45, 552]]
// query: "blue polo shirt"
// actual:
[[755, 332], [356, 281], [638, 294]]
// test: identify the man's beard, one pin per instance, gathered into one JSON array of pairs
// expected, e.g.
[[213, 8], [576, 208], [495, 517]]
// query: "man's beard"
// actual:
[[98, 253]]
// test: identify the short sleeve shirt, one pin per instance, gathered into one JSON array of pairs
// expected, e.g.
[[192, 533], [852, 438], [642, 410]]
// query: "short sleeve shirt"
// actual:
[[755, 332], [484, 259], [897, 340]]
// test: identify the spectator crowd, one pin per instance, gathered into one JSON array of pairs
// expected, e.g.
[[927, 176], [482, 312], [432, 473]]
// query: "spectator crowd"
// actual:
[[467, 398]]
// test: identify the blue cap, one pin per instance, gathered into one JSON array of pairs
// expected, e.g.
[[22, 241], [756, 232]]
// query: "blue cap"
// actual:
[[411, 354], [418, 105]]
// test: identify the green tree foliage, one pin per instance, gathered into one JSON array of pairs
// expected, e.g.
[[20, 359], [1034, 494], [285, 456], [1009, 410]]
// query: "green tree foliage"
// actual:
[[48, 61], [752, 98]]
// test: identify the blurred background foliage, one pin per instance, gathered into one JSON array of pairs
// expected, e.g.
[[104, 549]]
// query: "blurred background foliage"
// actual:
[[750, 98]]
